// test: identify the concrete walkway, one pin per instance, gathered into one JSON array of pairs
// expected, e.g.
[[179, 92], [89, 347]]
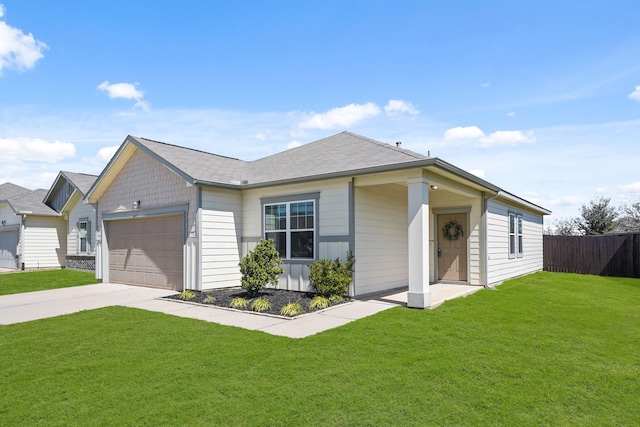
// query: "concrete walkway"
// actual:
[[25, 307]]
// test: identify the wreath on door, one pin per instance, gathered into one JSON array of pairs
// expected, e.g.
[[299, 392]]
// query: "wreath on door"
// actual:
[[452, 231]]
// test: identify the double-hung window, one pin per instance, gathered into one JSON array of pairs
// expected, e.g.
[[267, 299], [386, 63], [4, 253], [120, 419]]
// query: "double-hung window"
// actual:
[[515, 235], [83, 234], [291, 225]]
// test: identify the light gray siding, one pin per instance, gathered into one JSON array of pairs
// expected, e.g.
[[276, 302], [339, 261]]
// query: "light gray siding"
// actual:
[[80, 210], [499, 266], [220, 238], [381, 243], [43, 242], [332, 229]]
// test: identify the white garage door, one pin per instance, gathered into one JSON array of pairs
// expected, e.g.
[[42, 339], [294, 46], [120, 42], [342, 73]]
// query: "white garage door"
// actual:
[[8, 244], [147, 252]]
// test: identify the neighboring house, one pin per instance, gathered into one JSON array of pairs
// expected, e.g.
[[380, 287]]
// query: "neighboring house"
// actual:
[[66, 197], [9, 225], [33, 235], [178, 218]]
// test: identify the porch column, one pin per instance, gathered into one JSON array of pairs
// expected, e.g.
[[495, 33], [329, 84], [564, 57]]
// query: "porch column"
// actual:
[[419, 295]]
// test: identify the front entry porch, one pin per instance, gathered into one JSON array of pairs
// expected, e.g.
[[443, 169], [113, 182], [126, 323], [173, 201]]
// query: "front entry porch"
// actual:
[[440, 292]]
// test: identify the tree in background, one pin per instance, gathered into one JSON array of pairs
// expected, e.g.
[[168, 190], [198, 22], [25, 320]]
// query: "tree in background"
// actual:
[[563, 227], [630, 220], [597, 217]]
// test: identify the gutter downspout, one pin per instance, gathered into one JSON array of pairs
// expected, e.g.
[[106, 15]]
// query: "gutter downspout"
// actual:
[[484, 237]]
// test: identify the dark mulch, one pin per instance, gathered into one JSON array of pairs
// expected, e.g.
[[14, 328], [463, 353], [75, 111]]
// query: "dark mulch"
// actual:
[[277, 297]]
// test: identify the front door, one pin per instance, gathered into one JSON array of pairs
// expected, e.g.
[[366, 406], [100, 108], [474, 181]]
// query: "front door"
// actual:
[[452, 247]]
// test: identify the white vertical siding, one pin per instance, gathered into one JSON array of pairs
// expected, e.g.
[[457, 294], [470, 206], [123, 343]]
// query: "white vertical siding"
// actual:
[[381, 242], [332, 221], [220, 238], [44, 242], [499, 266], [333, 206], [80, 210]]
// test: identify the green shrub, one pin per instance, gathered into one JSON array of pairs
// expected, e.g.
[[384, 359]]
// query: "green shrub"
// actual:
[[239, 303], [209, 299], [329, 277], [260, 267], [187, 295], [319, 303], [292, 309], [260, 305], [336, 299]]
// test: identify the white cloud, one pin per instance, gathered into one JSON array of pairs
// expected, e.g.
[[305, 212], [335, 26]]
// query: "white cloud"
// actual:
[[35, 150], [461, 133], [18, 50], [294, 144], [635, 95], [478, 172], [485, 84], [511, 114], [125, 91], [506, 137], [105, 154], [396, 107], [341, 117]]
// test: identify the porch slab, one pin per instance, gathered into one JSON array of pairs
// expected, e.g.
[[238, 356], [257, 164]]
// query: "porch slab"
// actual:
[[440, 292]]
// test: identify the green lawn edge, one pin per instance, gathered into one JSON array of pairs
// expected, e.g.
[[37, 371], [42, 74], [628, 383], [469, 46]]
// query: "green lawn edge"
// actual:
[[42, 280], [546, 349]]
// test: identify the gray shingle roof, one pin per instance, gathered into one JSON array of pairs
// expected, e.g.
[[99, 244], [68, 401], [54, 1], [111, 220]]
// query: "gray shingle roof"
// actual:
[[8, 190], [81, 181], [339, 153], [198, 165], [31, 203], [335, 154]]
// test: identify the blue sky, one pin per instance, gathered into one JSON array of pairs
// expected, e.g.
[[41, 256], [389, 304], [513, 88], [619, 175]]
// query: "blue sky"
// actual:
[[541, 98]]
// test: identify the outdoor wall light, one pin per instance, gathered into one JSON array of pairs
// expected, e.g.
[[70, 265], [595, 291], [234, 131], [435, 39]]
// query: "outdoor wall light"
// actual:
[[136, 205], [434, 187]]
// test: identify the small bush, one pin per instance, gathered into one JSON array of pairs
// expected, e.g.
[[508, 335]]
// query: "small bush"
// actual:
[[292, 309], [319, 303], [239, 303], [329, 277], [336, 299], [187, 295], [260, 267], [260, 305], [209, 299]]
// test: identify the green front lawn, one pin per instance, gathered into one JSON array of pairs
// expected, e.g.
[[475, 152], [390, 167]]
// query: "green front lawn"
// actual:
[[29, 281], [547, 349]]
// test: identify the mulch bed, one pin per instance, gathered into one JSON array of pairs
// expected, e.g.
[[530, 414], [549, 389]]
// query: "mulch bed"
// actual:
[[277, 297]]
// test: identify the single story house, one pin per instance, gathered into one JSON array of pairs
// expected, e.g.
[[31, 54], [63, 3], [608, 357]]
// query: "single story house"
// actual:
[[66, 197], [32, 235], [178, 218]]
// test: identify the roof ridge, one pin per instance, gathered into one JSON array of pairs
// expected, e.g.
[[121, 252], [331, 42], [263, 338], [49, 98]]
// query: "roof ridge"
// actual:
[[188, 148], [388, 146]]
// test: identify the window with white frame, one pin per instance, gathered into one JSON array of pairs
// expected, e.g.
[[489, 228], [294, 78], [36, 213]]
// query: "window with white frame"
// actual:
[[83, 234], [515, 235], [291, 225]]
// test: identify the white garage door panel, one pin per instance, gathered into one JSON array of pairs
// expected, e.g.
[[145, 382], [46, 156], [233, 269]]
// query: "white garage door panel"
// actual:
[[8, 244], [147, 252]]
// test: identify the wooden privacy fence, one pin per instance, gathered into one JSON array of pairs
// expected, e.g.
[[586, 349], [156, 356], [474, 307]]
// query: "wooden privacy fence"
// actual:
[[602, 255]]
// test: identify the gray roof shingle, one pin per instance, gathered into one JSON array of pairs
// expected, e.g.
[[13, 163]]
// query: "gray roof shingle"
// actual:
[[8, 190], [81, 181], [339, 153], [335, 154], [31, 203], [198, 165]]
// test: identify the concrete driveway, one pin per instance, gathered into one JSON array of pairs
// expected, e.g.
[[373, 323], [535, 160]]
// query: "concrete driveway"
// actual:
[[29, 306], [17, 308]]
